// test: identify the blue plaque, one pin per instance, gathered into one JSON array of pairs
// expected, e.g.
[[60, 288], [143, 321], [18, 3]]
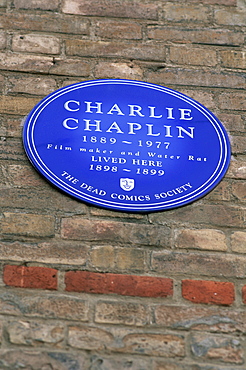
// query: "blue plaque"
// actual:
[[127, 145]]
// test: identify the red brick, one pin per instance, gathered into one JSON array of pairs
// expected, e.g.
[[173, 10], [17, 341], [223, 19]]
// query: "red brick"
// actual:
[[132, 285], [244, 294], [213, 292], [30, 277]]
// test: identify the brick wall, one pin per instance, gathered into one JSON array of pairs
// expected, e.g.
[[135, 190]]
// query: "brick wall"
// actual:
[[87, 288]]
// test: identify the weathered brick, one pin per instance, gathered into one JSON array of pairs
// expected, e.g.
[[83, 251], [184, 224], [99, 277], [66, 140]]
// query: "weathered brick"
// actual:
[[129, 259], [221, 192], [118, 70], [160, 365], [220, 2], [35, 333], [121, 313], [103, 257], [30, 277], [232, 122], [89, 338], [199, 264], [17, 104], [193, 56], [119, 362], [238, 242], [71, 67], [233, 59], [238, 144], [54, 65], [233, 101], [199, 36], [3, 40], [198, 78], [1, 83], [78, 228], [154, 345], [53, 22], [34, 43], [244, 294], [203, 239], [109, 257], [232, 18], [237, 169], [25, 63], [204, 97], [111, 8], [129, 49], [31, 85], [15, 358], [44, 305], [11, 150], [27, 224], [118, 29], [18, 175], [45, 252], [214, 319], [132, 285], [39, 197], [211, 214], [239, 191], [213, 292], [217, 348], [186, 12], [36, 4]]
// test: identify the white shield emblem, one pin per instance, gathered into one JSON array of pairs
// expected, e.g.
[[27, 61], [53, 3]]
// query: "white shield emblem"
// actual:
[[127, 184]]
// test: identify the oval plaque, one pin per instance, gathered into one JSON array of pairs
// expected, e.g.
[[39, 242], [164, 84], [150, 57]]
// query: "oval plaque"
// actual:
[[127, 145]]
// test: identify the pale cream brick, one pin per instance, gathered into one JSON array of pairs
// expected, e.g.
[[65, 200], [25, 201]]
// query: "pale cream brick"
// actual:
[[238, 242], [32, 85], [203, 239], [27, 224], [34, 43]]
